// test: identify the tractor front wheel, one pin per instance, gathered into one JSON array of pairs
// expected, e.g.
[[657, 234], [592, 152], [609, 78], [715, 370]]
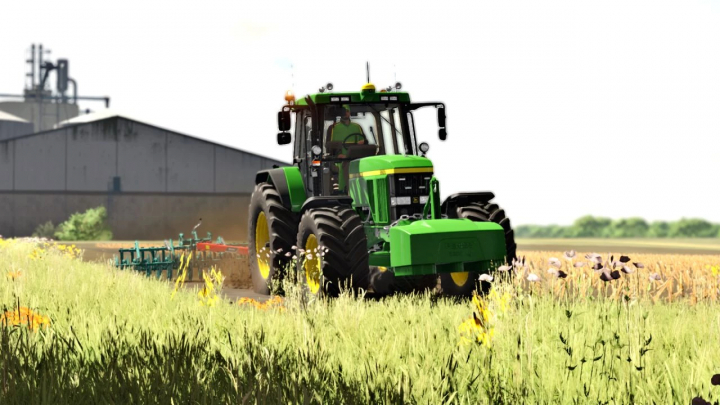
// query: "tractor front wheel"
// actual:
[[335, 251], [463, 284], [271, 233], [419, 284]]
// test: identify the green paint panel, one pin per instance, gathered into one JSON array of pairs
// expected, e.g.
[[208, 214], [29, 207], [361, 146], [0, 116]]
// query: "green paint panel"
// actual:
[[388, 162], [380, 259], [415, 270], [442, 241], [381, 200], [296, 188]]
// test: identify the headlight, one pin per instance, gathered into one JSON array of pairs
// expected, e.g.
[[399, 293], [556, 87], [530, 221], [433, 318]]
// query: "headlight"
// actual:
[[423, 199], [316, 150], [399, 201]]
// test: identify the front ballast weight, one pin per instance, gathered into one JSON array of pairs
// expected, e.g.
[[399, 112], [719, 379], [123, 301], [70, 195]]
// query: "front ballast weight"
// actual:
[[205, 254]]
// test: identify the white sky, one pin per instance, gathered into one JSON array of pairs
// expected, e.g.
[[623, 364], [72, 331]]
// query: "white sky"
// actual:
[[562, 109]]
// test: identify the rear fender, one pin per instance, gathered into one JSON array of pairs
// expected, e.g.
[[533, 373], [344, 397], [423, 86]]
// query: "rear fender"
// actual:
[[289, 184]]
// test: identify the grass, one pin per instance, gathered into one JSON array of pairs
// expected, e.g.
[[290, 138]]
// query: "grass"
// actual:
[[117, 337]]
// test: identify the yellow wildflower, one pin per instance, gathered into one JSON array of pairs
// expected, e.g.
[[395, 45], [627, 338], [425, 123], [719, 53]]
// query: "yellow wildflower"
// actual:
[[182, 274], [24, 316], [213, 282], [479, 325]]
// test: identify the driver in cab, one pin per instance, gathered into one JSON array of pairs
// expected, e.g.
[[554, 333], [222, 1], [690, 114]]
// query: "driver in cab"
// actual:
[[340, 131]]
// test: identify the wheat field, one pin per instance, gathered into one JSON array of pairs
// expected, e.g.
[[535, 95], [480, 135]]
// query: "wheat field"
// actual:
[[547, 332]]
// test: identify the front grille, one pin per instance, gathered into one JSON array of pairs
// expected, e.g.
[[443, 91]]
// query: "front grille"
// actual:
[[413, 185]]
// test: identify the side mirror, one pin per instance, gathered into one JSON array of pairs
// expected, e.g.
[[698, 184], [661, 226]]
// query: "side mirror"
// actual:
[[441, 117], [284, 120], [442, 133], [283, 138]]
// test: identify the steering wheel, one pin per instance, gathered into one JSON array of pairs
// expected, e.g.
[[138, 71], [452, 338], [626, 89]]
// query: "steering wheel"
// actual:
[[356, 134]]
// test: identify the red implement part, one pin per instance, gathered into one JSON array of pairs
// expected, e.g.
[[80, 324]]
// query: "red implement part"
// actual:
[[216, 247]]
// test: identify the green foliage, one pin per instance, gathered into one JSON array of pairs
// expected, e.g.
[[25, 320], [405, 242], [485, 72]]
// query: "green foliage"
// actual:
[[597, 227], [629, 228], [46, 230], [692, 227], [537, 231], [658, 229], [590, 227], [90, 225]]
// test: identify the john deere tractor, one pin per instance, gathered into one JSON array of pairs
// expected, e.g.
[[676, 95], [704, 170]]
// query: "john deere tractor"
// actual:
[[361, 204]]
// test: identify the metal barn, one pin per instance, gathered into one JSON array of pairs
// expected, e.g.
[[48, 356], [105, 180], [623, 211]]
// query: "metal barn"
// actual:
[[154, 182]]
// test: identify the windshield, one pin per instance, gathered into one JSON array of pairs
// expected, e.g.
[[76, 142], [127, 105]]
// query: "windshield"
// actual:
[[373, 124]]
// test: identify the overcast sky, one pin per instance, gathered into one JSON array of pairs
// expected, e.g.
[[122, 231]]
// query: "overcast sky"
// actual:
[[562, 109]]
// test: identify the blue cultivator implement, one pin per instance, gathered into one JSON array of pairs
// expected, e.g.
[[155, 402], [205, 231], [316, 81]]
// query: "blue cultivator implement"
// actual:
[[205, 254]]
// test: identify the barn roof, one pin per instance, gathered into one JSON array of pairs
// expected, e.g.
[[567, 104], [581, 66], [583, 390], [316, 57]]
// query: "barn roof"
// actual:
[[112, 116]]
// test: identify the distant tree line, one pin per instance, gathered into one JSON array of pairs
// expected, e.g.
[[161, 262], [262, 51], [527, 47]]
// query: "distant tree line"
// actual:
[[598, 227]]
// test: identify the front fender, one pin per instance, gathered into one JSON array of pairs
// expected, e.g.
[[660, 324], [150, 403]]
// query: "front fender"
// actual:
[[289, 184]]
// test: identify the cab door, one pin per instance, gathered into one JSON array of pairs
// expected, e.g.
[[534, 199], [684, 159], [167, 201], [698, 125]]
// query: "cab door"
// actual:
[[303, 145]]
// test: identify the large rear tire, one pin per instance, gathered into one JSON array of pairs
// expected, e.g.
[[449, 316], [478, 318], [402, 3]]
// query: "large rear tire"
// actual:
[[341, 232], [463, 284], [271, 234]]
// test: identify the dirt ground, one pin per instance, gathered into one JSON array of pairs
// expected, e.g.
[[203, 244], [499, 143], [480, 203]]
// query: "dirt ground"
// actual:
[[236, 271]]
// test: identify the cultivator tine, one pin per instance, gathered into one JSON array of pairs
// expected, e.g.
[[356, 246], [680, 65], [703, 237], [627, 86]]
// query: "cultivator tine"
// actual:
[[204, 254]]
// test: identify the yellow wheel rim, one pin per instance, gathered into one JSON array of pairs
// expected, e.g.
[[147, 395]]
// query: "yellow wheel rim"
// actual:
[[262, 238], [459, 278], [312, 266]]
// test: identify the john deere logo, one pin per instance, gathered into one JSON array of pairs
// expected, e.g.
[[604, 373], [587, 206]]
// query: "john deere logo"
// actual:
[[416, 200], [458, 248]]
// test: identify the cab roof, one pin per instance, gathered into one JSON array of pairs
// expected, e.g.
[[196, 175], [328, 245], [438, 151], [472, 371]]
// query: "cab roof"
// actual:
[[366, 96]]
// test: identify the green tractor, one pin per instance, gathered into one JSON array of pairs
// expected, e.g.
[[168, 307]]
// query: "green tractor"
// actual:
[[360, 207]]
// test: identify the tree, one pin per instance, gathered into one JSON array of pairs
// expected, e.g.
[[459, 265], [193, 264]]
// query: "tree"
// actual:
[[524, 231], [692, 228], [589, 227], [659, 229], [629, 228]]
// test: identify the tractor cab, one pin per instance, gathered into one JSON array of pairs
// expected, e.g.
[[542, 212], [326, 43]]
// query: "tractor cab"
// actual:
[[333, 129]]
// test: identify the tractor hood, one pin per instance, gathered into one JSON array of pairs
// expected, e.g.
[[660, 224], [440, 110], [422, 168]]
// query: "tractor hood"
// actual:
[[388, 164]]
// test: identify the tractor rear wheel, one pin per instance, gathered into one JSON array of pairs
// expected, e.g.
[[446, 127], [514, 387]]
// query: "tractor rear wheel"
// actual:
[[463, 284], [271, 234], [335, 251]]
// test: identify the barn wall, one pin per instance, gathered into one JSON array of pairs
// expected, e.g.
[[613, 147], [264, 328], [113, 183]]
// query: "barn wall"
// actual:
[[7, 158], [131, 216], [40, 162], [154, 183]]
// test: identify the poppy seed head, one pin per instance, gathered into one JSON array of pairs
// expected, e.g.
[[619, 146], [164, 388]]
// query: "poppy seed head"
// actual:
[[715, 380]]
